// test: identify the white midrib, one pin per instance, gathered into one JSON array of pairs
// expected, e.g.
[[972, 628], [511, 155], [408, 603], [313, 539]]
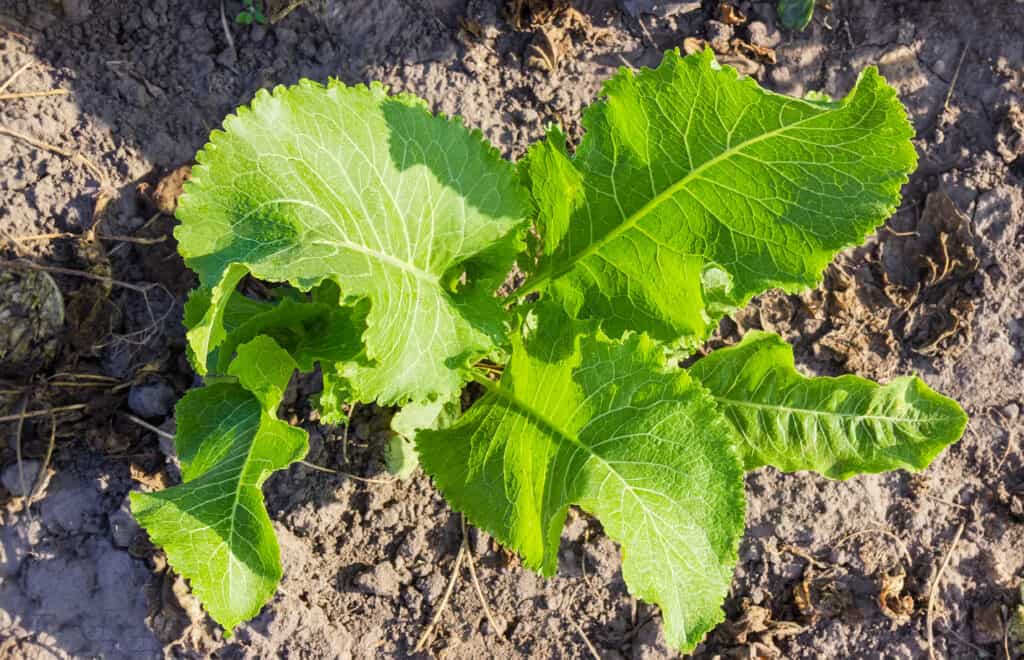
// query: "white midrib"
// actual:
[[651, 204], [388, 259], [820, 413]]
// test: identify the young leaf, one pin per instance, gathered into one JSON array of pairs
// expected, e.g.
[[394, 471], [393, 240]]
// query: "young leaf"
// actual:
[[693, 190], [214, 527], [394, 204], [401, 455], [796, 14], [836, 426], [601, 424]]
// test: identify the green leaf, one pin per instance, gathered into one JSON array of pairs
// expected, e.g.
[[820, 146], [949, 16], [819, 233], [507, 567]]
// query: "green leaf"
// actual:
[[411, 212], [214, 526], [311, 332], [401, 455], [836, 426], [601, 424], [694, 190], [796, 14], [205, 313]]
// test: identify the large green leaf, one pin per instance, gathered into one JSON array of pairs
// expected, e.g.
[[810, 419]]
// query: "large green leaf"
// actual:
[[214, 527], [693, 190], [411, 211], [601, 424], [836, 426]]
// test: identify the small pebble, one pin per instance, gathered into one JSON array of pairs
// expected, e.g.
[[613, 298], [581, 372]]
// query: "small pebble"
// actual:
[[123, 526], [154, 399]]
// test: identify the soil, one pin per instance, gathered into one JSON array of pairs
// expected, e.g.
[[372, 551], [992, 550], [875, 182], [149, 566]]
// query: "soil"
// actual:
[[827, 569]]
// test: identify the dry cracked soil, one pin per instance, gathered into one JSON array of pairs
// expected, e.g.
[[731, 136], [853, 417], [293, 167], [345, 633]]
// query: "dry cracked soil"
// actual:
[[827, 569]]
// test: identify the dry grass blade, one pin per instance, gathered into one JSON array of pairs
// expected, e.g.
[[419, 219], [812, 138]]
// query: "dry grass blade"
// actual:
[[60, 151], [11, 96], [17, 446], [934, 589], [149, 427], [40, 413], [586, 640], [443, 605], [14, 76], [102, 237], [292, 6], [476, 581], [22, 263], [41, 476], [368, 480]]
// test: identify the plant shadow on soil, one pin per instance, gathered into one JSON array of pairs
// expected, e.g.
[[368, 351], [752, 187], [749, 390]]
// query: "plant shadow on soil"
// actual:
[[365, 563]]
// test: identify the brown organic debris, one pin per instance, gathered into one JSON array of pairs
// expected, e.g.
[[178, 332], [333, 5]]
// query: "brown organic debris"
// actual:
[[737, 54], [730, 15], [755, 632], [895, 604], [526, 14], [555, 42], [164, 195], [762, 53]]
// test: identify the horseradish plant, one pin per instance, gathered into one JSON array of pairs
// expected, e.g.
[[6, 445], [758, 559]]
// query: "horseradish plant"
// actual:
[[692, 191]]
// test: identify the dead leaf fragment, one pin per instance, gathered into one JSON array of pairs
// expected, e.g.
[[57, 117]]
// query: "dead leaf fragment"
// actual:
[[693, 45], [730, 15], [894, 603], [168, 189], [762, 53]]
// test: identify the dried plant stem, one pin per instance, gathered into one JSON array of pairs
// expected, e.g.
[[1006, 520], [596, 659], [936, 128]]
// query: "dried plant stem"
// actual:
[[39, 413], [41, 476], [368, 480], [10, 96], [102, 237], [476, 581], [60, 151], [23, 263], [149, 427], [17, 444], [22, 69], [292, 6], [586, 640], [429, 630]]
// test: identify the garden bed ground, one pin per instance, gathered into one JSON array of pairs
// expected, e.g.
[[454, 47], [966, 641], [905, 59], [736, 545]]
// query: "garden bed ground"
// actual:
[[827, 569]]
